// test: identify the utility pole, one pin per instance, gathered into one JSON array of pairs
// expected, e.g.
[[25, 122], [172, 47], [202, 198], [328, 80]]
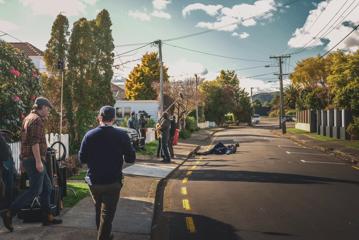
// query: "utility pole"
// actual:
[[61, 66], [252, 95], [159, 42], [281, 74], [196, 94]]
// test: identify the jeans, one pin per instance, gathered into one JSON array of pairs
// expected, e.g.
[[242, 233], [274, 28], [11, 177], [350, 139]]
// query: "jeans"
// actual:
[[40, 186], [105, 198]]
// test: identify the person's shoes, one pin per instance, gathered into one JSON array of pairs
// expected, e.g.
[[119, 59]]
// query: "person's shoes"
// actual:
[[165, 161], [7, 219], [50, 220]]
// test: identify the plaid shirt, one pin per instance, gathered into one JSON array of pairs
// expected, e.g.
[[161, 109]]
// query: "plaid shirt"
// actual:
[[32, 132]]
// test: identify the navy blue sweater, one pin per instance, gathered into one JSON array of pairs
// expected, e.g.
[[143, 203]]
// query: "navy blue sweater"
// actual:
[[104, 149]]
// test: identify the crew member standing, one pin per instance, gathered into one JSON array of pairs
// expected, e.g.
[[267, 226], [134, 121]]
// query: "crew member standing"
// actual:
[[104, 149]]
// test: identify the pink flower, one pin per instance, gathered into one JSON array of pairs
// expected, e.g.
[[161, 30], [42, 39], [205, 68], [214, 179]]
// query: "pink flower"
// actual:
[[35, 75], [16, 98], [33, 98], [15, 72]]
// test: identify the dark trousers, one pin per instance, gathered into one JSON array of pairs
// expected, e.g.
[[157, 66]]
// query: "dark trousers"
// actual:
[[165, 151], [105, 198], [170, 146], [159, 148], [40, 186]]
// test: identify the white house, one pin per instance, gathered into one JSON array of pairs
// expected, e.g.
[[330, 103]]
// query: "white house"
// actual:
[[35, 54], [125, 107]]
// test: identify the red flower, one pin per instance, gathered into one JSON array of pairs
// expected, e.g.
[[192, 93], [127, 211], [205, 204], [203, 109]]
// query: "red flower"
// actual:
[[16, 98], [35, 75], [15, 72], [33, 98]]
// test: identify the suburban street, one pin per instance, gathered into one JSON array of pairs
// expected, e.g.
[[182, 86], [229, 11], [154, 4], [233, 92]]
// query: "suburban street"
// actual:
[[272, 188]]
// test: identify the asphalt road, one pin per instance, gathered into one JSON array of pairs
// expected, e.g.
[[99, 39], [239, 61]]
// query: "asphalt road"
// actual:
[[271, 188]]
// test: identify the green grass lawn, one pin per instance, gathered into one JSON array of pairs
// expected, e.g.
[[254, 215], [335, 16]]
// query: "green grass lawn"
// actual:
[[82, 191], [150, 149], [80, 176], [347, 143]]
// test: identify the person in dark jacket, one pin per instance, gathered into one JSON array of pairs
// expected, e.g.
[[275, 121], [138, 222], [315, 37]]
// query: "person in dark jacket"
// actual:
[[164, 127], [104, 149]]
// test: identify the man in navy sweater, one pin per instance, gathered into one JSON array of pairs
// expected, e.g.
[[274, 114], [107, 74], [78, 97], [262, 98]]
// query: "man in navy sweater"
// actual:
[[104, 149]]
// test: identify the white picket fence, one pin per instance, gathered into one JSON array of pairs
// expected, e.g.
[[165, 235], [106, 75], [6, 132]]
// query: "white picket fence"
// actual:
[[50, 139]]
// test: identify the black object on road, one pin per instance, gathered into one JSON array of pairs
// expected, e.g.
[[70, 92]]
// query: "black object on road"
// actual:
[[221, 149]]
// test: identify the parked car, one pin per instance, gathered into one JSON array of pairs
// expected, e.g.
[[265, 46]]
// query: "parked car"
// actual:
[[256, 119], [134, 137]]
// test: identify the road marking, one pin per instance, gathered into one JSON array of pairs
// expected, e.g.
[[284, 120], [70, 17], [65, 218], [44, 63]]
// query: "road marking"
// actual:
[[184, 190], [190, 225], [201, 158], [357, 168], [186, 204], [317, 162], [198, 162], [288, 146], [189, 173], [304, 153], [193, 167], [185, 180]]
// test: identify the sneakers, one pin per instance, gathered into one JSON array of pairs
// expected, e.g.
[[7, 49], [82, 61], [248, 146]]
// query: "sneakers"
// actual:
[[7, 219], [50, 220]]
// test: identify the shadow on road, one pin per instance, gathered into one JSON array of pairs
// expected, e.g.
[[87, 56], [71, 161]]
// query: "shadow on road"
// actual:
[[264, 177]]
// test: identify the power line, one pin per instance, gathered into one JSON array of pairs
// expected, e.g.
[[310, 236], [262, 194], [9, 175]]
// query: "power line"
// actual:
[[259, 75], [132, 44], [215, 55], [223, 26], [124, 63], [120, 54], [322, 35], [254, 67], [8, 34], [354, 29]]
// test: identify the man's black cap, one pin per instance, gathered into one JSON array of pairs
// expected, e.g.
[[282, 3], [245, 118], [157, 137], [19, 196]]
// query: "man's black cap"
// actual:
[[108, 113], [41, 101]]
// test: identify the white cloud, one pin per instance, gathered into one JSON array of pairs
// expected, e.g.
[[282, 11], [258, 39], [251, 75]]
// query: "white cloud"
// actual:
[[143, 16], [261, 85], [184, 69], [2, 1], [211, 10], [159, 7], [160, 4], [8, 26], [161, 14], [243, 35], [315, 26], [54, 7], [228, 19]]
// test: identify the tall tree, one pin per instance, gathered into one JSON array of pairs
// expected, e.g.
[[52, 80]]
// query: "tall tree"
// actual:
[[103, 73], [82, 52], [139, 85], [56, 50]]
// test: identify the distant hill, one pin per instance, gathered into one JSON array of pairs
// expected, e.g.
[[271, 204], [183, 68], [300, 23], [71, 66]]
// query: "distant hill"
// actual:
[[265, 97]]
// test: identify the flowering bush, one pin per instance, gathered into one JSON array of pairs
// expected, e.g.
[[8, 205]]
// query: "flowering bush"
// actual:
[[19, 86]]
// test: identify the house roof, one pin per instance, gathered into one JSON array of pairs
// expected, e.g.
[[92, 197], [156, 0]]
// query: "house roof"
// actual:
[[27, 48]]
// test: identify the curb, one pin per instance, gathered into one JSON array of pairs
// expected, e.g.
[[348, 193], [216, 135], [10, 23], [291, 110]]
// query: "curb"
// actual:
[[158, 204], [337, 153]]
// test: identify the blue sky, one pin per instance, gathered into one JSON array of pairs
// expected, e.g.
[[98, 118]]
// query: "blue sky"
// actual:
[[276, 28]]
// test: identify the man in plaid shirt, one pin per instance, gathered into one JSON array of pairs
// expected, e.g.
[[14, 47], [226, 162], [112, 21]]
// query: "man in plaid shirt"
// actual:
[[33, 152]]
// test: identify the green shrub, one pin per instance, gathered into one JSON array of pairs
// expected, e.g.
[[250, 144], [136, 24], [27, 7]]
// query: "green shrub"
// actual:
[[353, 128], [151, 123], [191, 124], [291, 112], [184, 134]]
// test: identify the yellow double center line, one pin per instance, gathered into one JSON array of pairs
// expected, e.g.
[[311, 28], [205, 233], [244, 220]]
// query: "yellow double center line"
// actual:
[[355, 167]]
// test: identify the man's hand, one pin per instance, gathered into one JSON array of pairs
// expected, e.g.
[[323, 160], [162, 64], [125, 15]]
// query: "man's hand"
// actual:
[[39, 166]]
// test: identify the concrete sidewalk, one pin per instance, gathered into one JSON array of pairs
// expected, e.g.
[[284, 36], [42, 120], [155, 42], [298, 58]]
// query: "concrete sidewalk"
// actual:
[[135, 209], [346, 153]]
